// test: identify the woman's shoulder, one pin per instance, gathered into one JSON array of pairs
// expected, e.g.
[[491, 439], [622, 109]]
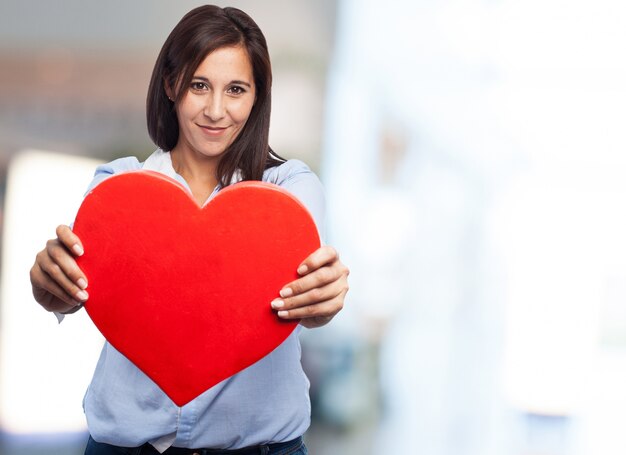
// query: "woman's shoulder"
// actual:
[[288, 171], [157, 160], [128, 163], [298, 178], [106, 170]]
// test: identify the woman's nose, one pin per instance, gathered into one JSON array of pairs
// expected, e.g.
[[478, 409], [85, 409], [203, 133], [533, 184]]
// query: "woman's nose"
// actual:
[[214, 108]]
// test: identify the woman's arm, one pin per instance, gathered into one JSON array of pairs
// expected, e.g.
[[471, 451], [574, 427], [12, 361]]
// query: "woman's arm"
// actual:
[[58, 283], [318, 295]]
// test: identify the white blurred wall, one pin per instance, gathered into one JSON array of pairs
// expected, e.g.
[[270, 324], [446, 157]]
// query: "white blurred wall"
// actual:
[[473, 158]]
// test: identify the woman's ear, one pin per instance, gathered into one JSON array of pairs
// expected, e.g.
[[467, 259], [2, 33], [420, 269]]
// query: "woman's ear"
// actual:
[[168, 91]]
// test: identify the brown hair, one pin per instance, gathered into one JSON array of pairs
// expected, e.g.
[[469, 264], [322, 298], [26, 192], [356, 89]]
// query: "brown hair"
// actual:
[[200, 32]]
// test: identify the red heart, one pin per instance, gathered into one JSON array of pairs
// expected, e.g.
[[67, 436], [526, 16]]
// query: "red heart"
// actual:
[[184, 292]]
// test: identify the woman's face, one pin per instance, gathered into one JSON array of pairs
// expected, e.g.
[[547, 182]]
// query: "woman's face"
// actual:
[[217, 103]]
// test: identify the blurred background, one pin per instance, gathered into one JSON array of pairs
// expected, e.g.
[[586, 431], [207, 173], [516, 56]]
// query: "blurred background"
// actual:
[[473, 157]]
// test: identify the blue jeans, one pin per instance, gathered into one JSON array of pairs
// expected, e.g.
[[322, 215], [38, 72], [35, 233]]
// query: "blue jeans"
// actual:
[[295, 447]]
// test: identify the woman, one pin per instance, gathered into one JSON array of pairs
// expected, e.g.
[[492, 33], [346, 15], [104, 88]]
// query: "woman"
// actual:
[[208, 111]]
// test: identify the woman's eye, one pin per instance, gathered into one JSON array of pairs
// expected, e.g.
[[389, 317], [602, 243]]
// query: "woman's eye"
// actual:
[[198, 86], [236, 90]]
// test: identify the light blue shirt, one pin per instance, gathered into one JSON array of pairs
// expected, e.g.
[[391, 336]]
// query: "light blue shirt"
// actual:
[[267, 402]]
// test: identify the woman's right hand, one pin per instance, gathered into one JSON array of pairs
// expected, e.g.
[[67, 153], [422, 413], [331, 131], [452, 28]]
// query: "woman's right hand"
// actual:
[[58, 283]]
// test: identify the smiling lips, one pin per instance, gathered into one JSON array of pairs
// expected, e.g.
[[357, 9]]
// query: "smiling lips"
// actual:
[[212, 130]]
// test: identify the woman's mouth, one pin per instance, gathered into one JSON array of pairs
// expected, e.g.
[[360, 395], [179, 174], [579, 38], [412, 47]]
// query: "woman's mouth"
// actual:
[[212, 130]]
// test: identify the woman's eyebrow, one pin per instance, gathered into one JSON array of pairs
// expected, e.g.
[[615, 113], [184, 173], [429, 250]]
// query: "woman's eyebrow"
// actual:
[[236, 81], [241, 83]]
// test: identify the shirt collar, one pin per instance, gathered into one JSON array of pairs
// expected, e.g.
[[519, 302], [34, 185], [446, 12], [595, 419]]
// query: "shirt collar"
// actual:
[[161, 161]]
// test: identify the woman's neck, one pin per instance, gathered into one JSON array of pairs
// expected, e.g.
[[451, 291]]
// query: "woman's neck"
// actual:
[[198, 172]]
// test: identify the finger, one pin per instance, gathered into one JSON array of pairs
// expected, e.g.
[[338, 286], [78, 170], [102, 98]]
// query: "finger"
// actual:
[[310, 297], [58, 275], [61, 257], [55, 299], [49, 294], [320, 257], [326, 309], [70, 240], [61, 288], [318, 278]]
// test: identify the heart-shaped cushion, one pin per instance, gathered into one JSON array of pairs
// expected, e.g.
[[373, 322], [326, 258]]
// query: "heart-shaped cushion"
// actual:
[[184, 292]]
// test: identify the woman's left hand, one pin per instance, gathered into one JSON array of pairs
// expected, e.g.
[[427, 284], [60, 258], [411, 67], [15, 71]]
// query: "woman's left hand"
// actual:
[[318, 295]]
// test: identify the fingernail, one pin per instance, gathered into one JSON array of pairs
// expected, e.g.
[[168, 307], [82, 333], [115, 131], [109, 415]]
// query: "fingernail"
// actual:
[[302, 269], [82, 295], [283, 314], [277, 303], [82, 283], [286, 292], [78, 249]]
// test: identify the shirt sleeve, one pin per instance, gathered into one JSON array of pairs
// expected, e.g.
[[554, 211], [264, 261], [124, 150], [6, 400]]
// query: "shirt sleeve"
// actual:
[[297, 178]]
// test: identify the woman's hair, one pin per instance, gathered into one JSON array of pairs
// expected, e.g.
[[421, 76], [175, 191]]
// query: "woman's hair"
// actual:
[[200, 32]]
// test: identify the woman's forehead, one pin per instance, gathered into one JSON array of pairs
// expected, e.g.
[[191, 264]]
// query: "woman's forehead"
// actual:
[[226, 62]]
